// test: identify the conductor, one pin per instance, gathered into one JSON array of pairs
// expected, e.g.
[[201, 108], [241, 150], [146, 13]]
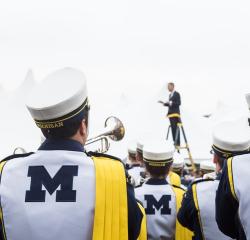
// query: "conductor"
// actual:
[[173, 111]]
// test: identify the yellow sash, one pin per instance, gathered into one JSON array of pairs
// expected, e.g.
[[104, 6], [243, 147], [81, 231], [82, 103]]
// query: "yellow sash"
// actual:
[[181, 233], [143, 233], [111, 211], [174, 179]]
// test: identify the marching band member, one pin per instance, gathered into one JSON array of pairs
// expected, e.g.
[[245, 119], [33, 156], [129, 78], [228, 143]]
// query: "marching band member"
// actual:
[[232, 198], [131, 159], [160, 199], [142, 175], [197, 212], [60, 192], [135, 169], [173, 178]]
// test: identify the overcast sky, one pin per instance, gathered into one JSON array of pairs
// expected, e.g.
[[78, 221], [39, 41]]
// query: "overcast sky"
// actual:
[[132, 48], [129, 45]]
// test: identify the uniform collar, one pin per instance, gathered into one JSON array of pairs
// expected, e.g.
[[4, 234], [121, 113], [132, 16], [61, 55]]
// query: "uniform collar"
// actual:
[[156, 181], [61, 144]]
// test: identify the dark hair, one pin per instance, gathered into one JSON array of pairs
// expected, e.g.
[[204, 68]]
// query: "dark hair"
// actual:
[[171, 83], [158, 171], [67, 130], [139, 156], [132, 157]]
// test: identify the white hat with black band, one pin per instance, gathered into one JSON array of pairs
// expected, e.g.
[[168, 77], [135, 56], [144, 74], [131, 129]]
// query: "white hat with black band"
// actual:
[[158, 153], [60, 98], [231, 138]]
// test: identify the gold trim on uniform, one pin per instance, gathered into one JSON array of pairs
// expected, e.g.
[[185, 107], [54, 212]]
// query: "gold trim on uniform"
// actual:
[[50, 125], [227, 153], [230, 176], [143, 233], [58, 123], [181, 233], [160, 163], [197, 207], [224, 152], [111, 206]]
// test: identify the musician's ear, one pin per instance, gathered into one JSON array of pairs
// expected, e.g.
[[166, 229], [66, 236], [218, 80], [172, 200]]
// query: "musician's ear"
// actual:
[[83, 130]]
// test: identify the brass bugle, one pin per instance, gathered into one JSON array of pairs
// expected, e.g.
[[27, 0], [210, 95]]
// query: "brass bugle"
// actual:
[[114, 130]]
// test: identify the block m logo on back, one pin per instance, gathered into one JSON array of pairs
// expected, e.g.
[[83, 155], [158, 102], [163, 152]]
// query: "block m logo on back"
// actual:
[[162, 204], [40, 177]]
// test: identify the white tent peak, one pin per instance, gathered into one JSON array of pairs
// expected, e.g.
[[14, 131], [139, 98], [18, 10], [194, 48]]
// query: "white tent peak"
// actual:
[[29, 80], [20, 94]]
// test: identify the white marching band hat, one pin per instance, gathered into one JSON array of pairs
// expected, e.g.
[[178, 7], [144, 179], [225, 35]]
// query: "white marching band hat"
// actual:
[[231, 138], [132, 148], [178, 161], [207, 165], [158, 153], [145, 138], [59, 98]]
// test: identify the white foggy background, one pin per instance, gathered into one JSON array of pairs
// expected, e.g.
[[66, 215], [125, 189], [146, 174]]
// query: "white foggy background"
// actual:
[[129, 50]]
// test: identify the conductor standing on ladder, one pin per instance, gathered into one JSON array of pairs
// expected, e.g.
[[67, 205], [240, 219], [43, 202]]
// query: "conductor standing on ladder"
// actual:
[[173, 111]]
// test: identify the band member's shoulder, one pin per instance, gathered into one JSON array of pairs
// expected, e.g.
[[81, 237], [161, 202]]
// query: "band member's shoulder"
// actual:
[[102, 155], [13, 156]]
